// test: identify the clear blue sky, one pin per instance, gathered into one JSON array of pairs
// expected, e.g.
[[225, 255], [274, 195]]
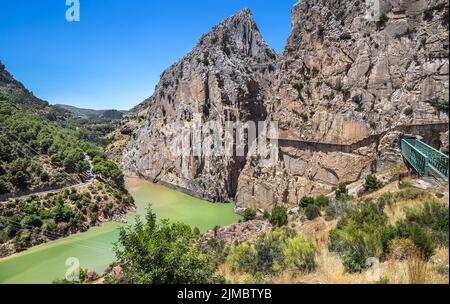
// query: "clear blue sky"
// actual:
[[114, 56]]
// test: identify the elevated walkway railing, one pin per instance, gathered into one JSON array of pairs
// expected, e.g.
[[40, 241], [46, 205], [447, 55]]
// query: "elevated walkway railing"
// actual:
[[424, 158]]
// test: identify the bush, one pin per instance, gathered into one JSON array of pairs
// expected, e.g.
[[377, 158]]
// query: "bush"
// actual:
[[273, 252], [342, 192], [354, 262], [31, 221], [383, 19], [249, 215], [434, 217], [337, 209], [20, 180], [49, 227], [3, 187], [420, 237], [361, 234], [301, 254], [269, 252], [372, 184], [322, 201], [312, 212], [306, 201], [345, 36], [243, 258], [163, 253], [279, 217]]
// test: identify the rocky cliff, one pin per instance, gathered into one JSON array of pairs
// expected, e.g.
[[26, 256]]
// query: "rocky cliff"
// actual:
[[345, 78], [348, 86], [226, 77]]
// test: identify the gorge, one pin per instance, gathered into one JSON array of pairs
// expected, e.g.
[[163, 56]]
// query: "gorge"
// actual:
[[344, 92]]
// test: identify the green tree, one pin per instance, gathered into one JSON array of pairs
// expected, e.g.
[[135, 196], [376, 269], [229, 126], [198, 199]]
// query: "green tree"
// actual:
[[279, 217], [164, 253]]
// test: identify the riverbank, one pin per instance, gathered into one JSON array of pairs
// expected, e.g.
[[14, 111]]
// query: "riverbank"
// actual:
[[40, 218], [94, 248]]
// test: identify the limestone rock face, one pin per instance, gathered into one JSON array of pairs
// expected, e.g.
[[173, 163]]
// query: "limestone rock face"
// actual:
[[344, 92], [348, 80], [226, 77]]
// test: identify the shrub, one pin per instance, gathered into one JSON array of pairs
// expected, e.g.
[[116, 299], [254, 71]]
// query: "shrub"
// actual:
[[306, 201], [269, 252], [20, 180], [428, 15], [249, 215], [3, 187], [345, 36], [49, 227], [445, 18], [31, 221], [405, 183], [342, 192], [386, 199], [272, 252], [312, 212], [354, 262], [227, 51], [434, 217], [361, 234], [243, 258], [322, 201], [337, 209], [372, 184], [279, 217], [301, 254], [383, 19], [420, 237]]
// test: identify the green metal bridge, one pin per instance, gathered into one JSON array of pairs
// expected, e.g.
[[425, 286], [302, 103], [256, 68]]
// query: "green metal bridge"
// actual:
[[425, 159]]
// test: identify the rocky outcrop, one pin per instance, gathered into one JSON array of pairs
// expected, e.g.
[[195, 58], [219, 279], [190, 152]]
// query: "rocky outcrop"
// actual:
[[226, 77], [345, 83], [343, 78], [238, 233]]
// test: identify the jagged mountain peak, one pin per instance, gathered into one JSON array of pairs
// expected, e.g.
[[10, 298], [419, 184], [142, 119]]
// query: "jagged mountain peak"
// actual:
[[240, 35]]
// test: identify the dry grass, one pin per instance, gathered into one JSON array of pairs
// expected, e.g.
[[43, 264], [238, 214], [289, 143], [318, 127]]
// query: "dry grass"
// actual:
[[330, 269], [417, 269]]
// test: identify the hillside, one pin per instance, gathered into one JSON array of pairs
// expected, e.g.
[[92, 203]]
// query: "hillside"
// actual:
[[93, 114], [38, 155]]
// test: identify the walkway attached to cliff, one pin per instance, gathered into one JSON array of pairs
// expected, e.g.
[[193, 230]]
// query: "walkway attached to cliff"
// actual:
[[316, 146], [425, 159]]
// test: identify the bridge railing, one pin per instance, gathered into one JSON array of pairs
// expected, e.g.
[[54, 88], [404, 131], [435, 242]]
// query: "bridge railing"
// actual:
[[416, 158], [436, 160]]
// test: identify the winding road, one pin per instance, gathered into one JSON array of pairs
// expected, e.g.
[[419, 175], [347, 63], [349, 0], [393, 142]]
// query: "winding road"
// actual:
[[89, 180]]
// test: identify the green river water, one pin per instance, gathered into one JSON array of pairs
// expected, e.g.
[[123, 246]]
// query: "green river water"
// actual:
[[93, 249]]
